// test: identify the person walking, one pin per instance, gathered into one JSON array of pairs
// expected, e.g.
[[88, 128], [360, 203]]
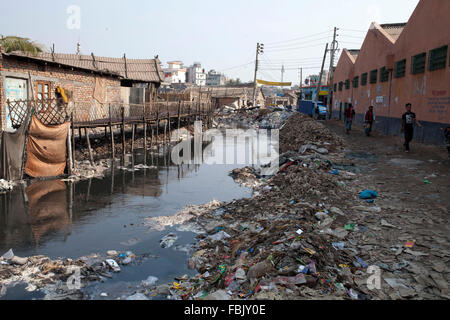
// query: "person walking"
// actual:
[[408, 120], [369, 118], [349, 116]]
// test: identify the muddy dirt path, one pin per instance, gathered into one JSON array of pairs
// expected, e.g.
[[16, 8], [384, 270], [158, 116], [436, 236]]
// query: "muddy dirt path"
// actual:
[[414, 191]]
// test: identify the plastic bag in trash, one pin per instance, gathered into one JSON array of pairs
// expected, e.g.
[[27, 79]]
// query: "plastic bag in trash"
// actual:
[[8, 255], [168, 240], [368, 194]]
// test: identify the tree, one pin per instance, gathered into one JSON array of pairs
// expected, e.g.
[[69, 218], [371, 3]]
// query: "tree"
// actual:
[[233, 82], [14, 43]]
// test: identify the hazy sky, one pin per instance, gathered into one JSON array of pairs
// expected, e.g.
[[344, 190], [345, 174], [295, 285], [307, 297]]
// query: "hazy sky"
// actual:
[[222, 35]]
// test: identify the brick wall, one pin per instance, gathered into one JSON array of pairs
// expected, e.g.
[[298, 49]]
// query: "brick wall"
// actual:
[[81, 83]]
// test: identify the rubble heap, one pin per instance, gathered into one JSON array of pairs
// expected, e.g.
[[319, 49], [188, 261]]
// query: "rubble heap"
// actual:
[[302, 130]]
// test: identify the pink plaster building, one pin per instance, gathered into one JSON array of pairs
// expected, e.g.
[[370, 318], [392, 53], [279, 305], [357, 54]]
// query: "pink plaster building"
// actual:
[[400, 63]]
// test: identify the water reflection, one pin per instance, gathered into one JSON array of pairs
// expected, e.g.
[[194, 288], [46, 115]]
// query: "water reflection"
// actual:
[[47, 208], [64, 219]]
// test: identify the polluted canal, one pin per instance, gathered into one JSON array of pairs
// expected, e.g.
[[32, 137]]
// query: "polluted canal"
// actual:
[[60, 219]]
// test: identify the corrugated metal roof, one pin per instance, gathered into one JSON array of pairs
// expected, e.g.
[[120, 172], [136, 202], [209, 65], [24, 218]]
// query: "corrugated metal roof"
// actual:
[[146, 70]]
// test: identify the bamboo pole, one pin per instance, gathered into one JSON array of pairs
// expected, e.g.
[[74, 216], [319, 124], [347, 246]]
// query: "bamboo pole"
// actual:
[[91, 157], [157, 124], [179, 114], [132, 138], [113, 151], [168, 123], [145, 128], [73, 140], [69, 149], [123, 131]]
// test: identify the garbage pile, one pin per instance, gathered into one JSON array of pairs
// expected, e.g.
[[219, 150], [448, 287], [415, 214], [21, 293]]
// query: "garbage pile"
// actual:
[[246, 177], [6, 185], [303, 130], [84, 170], [64, 279], [252, 118], [274, 120], [286, 241]]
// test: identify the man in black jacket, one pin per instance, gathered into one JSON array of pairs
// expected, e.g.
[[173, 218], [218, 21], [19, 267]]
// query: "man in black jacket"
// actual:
[[408, 121]]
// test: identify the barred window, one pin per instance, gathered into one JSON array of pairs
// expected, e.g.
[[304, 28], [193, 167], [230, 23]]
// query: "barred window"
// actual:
[[384, 74], [400, 68], [364, 79], [355, 82], [418, 63], [438, 58], [373, 76]]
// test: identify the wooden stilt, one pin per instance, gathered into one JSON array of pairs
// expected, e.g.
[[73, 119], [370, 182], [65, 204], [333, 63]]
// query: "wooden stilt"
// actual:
[[145, 135], [157, 125], [91, 157], [168, 124], [151, 139], [113, 149], [179, 114], [123, 131], [73, 141], [69, 151], [132, 138]]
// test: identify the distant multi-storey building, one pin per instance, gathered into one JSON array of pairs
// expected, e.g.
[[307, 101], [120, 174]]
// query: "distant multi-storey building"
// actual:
[[175, 73], [196, 74], [214, 78], [314, 79]]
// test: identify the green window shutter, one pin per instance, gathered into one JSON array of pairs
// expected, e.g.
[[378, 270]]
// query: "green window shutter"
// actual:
[[355, 82], [335, 87], [384, 74], [438, 58], [340, 85], [418, 63], [373, 76], [400, 68], [364, 79], [347, 84]]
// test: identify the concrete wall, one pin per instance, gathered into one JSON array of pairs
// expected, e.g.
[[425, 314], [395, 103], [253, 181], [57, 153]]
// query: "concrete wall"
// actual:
[[428, 92]]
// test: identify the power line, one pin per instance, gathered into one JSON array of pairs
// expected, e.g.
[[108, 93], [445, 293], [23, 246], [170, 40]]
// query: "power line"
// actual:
[[235, 67], [295, 39], [354, 30], [295, 44], [347, 36], [315, 67], [297, 48]]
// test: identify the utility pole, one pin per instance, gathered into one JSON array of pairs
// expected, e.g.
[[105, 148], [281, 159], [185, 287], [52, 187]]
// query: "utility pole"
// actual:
[[259, 50], [334, 46], [301, 82], [321, 73], [282, 73]]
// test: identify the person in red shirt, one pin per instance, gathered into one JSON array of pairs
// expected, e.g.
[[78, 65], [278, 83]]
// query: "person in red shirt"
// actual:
[[369, 118], [349, 115]]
